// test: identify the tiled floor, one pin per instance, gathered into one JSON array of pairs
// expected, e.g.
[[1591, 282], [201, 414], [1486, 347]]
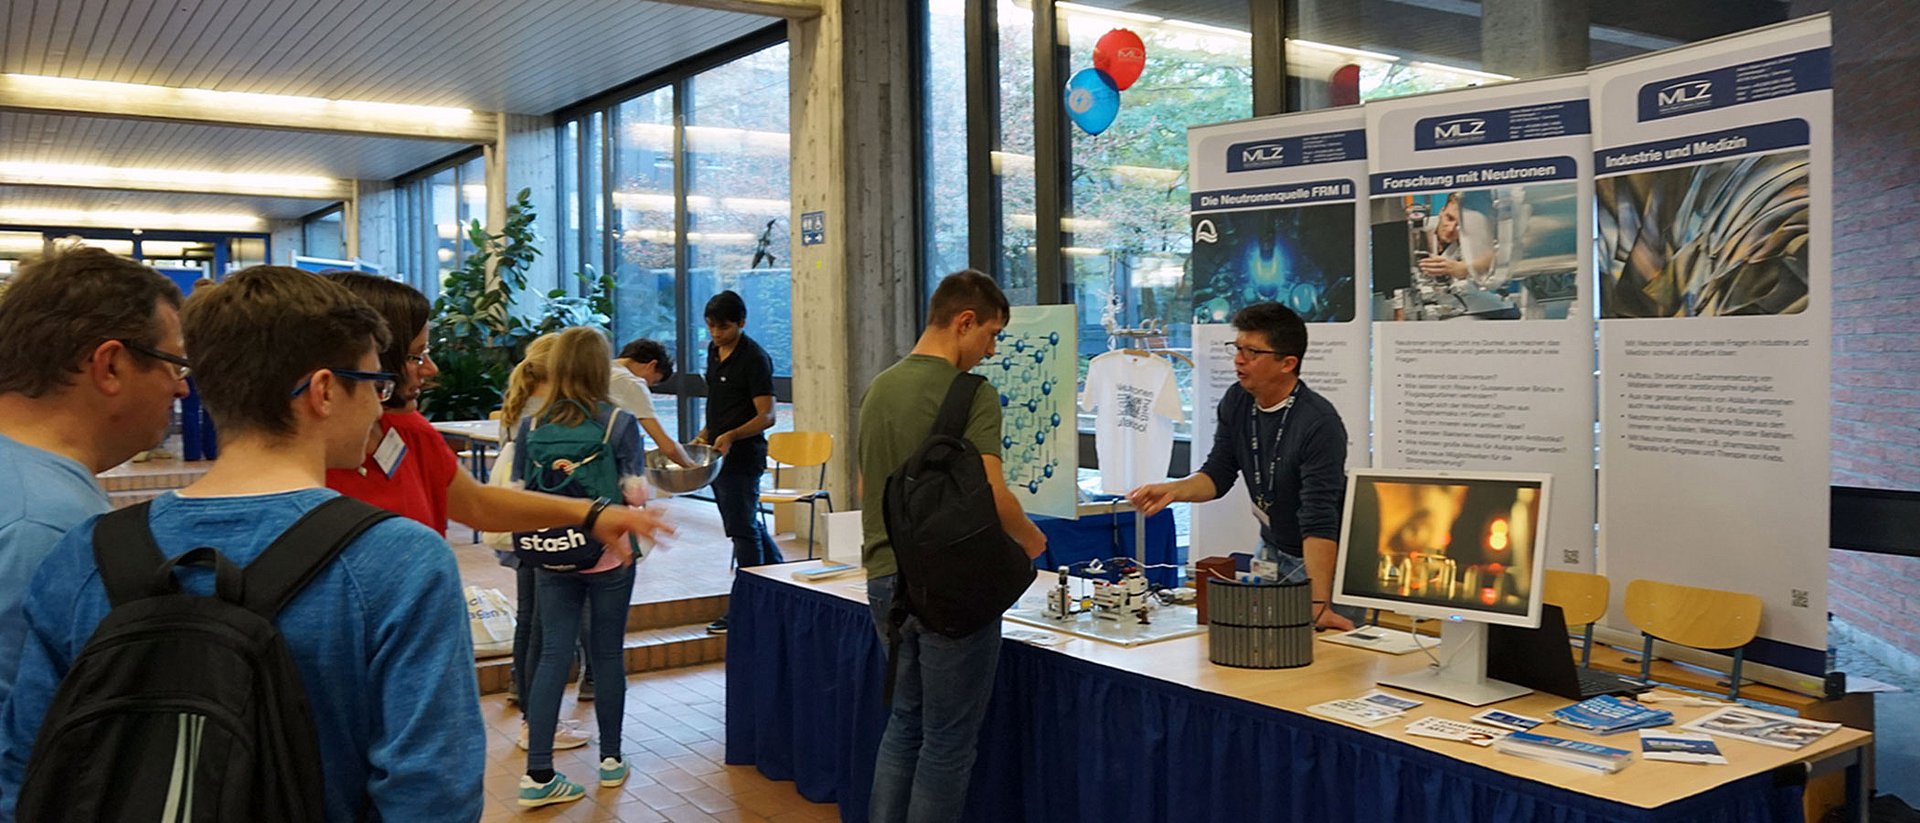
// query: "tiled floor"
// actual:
[[673, 745]]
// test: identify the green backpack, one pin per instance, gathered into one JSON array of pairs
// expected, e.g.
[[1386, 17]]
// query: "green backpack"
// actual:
[[572, 461]]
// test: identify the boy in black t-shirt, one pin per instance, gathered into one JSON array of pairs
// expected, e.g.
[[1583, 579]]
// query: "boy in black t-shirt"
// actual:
[[739, 412]]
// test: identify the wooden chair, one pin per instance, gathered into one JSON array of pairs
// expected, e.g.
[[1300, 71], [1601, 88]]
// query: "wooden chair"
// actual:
[[1708, 619], [1582, 598], [800, 450]]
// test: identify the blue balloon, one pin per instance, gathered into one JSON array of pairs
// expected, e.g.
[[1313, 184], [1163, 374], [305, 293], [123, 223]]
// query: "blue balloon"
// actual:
[[1093, 100]]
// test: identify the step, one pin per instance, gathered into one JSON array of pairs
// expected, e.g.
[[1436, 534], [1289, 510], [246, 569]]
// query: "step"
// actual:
[[651, 649], [682, 612], [123, 499], [156, 476]]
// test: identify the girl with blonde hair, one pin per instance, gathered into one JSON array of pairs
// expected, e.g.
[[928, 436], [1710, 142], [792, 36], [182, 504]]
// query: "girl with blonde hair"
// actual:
[[577, 396]]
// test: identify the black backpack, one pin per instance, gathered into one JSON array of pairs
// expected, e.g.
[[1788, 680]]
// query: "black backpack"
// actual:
[[959, 570], [183, 707]]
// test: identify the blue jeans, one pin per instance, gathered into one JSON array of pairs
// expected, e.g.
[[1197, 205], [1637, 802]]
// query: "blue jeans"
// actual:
[[557, 611], [940, 692], [197, 439], [526, 634], [737, 493]]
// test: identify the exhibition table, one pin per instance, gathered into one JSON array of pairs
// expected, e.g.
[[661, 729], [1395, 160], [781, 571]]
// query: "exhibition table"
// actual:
[[1088, 731], [476, 435]]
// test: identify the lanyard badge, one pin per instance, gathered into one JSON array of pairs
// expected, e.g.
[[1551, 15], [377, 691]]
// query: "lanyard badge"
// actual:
[[1267, 473]]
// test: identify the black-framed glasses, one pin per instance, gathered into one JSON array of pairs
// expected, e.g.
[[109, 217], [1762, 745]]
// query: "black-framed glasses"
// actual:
[[1237, 349], [383, 382], [182, 368]]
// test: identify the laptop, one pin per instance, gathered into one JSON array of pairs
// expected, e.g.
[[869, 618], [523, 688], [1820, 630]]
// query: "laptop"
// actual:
[[1541, 660]]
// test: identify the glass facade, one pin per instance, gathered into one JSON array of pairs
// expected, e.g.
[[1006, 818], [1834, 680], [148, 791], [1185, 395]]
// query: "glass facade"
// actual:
[[434, 209], [681, 189]]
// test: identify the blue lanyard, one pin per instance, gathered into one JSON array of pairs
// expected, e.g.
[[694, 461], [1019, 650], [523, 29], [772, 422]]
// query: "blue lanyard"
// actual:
[[1262, 485]]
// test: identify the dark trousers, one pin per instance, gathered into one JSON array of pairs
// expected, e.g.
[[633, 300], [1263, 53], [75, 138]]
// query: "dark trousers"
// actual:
[[197, 439], [737, 493]]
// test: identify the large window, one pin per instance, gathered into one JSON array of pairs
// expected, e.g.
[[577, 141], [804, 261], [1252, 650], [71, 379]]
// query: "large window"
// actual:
[[679, 187], [643, 215], [324, 235], [944, 138], [737, 199], [434, 209], [1124, 228]]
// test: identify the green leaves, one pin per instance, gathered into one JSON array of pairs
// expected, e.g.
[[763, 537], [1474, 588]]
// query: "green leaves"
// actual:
[[477, 338]]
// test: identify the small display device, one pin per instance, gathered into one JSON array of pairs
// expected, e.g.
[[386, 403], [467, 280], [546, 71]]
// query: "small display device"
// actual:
[[1462, 547]]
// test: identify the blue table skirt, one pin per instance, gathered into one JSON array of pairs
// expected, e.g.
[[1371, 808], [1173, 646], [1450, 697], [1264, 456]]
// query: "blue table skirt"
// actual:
[[1068, 740]]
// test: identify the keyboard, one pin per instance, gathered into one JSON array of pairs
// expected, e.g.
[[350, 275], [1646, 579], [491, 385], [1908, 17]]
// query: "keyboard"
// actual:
[[1594, 683]]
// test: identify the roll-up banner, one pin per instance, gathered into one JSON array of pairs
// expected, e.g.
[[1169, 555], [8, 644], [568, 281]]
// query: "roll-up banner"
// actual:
[[1713, 165], [1278, 215], [1481, 236]]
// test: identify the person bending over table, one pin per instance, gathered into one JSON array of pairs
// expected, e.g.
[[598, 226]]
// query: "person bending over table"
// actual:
[[1289, 444]]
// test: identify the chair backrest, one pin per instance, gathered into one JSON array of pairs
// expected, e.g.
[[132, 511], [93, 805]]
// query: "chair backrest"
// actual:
[[1691, 616], [1581, 597], [800, 449]]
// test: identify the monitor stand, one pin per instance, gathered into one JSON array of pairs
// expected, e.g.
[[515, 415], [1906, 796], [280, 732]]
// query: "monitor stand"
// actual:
[[1462, 677]]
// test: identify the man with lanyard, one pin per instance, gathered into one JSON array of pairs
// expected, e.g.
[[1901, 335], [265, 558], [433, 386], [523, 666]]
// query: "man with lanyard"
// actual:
[[1289, 444]]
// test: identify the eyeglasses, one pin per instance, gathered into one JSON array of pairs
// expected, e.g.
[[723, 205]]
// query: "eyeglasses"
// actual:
[[420, 359], [1235, 349], [382, 382], [181, 367]]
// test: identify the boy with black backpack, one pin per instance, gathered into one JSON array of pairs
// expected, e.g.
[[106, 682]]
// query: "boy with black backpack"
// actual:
[[253, 646], [944, 540]]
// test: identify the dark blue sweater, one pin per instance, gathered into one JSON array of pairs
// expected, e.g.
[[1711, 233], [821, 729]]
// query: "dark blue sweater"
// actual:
[[1310, 487]]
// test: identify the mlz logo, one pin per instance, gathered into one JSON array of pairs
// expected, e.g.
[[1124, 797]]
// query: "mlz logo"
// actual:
[[1262, 154], [1464, 129], [1685, 93]]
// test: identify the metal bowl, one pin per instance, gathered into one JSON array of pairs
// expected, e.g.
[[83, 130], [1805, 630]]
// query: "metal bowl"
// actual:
[[672, 478]]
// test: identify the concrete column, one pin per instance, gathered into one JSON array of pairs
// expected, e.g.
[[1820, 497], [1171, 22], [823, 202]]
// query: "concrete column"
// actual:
[[1533, 38], [377, 222], [287, 239], [529, 164], [855, 295]]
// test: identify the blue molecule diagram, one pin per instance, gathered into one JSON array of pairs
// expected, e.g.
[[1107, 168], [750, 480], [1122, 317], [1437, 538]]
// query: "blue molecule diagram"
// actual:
[[1034, 375]]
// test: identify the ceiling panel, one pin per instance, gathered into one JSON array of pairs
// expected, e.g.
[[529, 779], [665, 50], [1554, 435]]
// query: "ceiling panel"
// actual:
[[490, 55], [14, 198], [153, 144]]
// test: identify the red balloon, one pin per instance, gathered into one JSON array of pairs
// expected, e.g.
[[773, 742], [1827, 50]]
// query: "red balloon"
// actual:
[[1121, 55]]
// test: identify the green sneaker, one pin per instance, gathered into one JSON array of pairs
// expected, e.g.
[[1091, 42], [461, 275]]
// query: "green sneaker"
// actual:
[[557, 790], [612, 772]]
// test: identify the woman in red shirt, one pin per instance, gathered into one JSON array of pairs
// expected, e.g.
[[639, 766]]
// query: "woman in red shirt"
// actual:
[[413, 472]]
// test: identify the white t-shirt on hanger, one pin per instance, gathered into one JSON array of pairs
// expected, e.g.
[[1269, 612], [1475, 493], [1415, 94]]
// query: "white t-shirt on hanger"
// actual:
[[1135, 404]]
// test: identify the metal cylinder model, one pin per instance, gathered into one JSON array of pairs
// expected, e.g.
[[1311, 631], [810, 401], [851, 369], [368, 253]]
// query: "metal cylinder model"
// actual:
[[1259, 625]]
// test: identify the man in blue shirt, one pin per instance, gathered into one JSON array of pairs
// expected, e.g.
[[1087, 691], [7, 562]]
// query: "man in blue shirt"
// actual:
[[1289, 444], [288, 365], [91, 360]]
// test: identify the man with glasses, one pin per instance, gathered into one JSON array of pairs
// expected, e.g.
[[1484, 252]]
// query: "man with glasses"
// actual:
[[91, 360], [288, 366], [1289, 444]]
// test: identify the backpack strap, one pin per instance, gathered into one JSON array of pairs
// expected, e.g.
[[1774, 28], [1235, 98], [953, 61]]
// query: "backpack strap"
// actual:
[[306, 547], [958, 406], [124, 551]]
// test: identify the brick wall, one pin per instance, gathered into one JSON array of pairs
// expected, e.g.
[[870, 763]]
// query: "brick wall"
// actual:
[[1876, 294]]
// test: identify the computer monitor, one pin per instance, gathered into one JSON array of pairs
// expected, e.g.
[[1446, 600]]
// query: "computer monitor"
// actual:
[[1462, 547]]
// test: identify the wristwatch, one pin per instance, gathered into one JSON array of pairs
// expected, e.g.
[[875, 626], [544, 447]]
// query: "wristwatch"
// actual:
[[600, 504]]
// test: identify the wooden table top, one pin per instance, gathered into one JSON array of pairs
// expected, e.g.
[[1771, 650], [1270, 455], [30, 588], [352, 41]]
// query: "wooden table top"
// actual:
[[1340, 671]]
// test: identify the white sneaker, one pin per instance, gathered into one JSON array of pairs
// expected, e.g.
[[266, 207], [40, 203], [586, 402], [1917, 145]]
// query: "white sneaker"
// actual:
[[565, 736]]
